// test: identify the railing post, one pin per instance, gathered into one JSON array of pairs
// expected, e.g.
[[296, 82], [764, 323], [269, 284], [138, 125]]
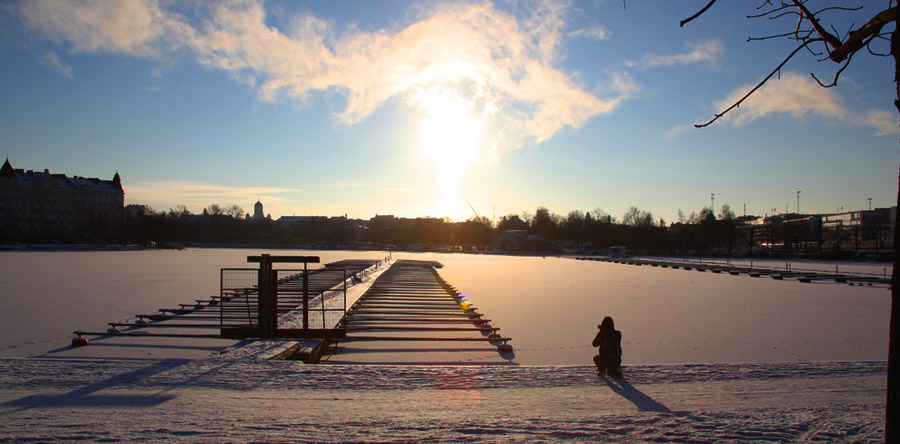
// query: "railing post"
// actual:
[[306, 300], [345, 290], [221, 300], [266, 304], [267, 310]]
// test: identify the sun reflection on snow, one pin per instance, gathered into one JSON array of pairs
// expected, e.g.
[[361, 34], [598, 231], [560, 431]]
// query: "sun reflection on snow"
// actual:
[[456, 389]]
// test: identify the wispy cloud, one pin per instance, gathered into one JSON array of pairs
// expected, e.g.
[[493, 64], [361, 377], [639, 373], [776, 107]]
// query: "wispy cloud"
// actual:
[[196, 196], [624, 84], [346, 185], [885, 122], [596, 33], [800, 97], [793, 94], [504, 63], [132, 27], [706, 51], [51, 60], [677, 131]]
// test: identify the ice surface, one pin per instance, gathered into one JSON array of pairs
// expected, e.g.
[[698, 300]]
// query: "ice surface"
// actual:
[[549, 306], [708, 358]]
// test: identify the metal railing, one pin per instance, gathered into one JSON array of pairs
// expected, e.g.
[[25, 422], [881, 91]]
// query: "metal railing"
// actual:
[[285, 303], [238, 298]]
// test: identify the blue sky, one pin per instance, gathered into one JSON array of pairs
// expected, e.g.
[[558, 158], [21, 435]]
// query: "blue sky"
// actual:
[[414, 108]]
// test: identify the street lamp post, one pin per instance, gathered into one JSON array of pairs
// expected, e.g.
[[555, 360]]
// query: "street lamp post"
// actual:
[[798, 201]]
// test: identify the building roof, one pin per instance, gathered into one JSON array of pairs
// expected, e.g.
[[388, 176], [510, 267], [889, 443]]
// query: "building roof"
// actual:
[[59, 180], [7, 171]]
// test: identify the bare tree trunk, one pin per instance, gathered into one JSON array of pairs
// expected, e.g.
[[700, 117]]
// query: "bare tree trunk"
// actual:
[[892, 411]]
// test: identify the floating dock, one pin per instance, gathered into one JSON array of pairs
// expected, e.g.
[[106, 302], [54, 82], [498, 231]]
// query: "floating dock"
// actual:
[[408, 314], [203, 327], [411, 315], [806, 276]]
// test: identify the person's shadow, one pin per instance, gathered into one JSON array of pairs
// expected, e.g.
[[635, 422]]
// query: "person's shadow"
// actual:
[[643, 402]]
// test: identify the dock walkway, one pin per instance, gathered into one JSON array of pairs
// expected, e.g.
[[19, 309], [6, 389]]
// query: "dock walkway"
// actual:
[[411, 315], [407, 315], [192, 329]]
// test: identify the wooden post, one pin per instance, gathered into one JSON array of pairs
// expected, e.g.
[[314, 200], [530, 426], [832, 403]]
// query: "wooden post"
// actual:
[[306, 300], [266, 304], [268, 291]]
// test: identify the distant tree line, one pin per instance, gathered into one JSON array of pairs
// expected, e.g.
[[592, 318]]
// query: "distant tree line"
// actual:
[[702, 232]]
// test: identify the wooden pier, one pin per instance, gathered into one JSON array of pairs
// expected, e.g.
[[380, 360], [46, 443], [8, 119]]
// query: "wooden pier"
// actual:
[[409, 314], [199, 324], [415, 316]]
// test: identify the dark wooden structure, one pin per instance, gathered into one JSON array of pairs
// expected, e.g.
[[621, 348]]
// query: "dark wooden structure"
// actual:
[[277, 292]]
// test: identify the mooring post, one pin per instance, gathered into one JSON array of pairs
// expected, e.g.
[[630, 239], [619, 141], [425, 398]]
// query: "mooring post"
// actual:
[[266, 308], [268, 292], [306, 300]]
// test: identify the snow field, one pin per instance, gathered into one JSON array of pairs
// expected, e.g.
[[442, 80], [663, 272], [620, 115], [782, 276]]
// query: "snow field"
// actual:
[[708, 358], [241, 399]]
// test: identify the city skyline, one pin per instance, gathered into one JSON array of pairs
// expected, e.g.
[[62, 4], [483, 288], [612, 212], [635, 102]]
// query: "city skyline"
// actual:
[[415, 109]]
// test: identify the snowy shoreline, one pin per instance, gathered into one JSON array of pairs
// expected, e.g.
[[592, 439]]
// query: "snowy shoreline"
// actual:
[[242, 372], [235, 399]]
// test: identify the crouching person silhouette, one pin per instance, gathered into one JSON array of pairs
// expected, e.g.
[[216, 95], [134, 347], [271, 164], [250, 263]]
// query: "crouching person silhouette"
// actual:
[[609, 343]]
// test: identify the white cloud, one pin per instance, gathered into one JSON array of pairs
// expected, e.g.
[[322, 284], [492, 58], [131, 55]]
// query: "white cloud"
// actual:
[[800, 97], [793, 94], [707, 51], [124, 26], [677, 131], [346, 185], [885, 122], [51, 60], [624, 83], [596, 33], [504, 64]]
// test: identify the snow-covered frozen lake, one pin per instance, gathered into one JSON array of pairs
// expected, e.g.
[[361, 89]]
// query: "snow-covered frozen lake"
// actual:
[[549, 306], [708, 358]]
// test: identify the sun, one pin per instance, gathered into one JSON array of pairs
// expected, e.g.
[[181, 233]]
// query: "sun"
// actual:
[[450, 135]]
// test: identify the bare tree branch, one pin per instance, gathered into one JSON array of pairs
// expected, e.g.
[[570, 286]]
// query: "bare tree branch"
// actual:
[[837, 8], [760, 84], [872, 51], [808, 32], [827, 36], [837, 75], [857, 38], [839, 51], [776, 12], [698, 14]]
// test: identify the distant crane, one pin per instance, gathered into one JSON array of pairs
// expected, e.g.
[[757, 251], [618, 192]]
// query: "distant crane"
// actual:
[[477, 217], [478, 220]]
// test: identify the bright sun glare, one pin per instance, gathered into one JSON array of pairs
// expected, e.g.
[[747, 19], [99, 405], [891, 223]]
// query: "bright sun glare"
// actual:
[[450, 137]]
